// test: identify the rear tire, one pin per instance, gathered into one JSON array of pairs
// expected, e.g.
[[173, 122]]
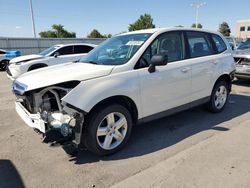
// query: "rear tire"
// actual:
[[219, 97], [4, 64], [107, 129]]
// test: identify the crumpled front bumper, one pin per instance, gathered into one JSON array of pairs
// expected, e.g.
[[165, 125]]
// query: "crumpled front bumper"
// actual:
[[35, 121], [242, 71], [32, 120]]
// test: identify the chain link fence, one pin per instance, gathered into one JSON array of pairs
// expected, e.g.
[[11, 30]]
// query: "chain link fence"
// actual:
[[36, 45]]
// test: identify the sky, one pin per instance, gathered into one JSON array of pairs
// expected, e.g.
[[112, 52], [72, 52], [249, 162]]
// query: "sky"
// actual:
[[114, 16]]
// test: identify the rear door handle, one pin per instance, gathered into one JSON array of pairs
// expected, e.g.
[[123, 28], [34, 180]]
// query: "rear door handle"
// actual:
[[186, 69]]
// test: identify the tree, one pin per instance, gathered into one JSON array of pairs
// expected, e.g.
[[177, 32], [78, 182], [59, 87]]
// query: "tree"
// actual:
[[144, 22], [225, 29], [96, 34], [107, 36], [57, 31], [198, 25]]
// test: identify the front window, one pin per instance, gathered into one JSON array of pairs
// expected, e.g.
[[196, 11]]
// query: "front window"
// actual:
[[117, 50], [168, 44], [48, 51]]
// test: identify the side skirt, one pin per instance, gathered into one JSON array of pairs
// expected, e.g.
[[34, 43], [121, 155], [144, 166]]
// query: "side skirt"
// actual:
[[174, 110]]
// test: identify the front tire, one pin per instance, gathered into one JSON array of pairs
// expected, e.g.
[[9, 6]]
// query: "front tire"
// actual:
[[219, 97], [108, 129]]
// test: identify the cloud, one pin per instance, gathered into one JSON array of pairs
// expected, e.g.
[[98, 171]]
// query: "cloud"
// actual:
[[18, 27]]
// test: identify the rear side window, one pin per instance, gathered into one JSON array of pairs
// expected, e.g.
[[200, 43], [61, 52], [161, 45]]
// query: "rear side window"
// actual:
[[80, 49], [199, 44], [219, 43], [66, 50]]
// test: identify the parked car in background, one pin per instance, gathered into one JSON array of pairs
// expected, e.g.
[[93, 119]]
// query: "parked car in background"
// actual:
[[242, 60], [54, 55], [238, 44], [6, 56], [232, 42], [244, 45], [131, 78]]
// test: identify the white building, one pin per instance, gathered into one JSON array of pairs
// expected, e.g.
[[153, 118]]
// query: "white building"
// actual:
[[243, 29]]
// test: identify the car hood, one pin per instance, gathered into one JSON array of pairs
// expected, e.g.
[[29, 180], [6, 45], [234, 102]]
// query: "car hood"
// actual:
[[62, 73], [25, 58], [242, 53]]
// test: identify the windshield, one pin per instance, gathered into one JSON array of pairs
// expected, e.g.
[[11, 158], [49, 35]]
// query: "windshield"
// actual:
[[117, 50], [48, 50], [244, 45]]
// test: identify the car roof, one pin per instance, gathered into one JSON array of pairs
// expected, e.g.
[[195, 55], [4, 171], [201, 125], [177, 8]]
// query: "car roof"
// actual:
[[75, 44], [160, 30]]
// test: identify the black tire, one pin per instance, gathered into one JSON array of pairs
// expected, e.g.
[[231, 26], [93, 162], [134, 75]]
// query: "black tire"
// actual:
[[4, 64], [212, 107], [95, 118]]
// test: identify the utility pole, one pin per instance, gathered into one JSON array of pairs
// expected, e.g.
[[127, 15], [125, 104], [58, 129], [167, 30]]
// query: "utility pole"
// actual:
[[197, 6], [32, 18]]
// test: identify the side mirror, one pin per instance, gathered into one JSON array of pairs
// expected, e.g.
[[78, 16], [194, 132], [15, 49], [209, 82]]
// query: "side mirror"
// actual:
[[56, 54], [157, 60]]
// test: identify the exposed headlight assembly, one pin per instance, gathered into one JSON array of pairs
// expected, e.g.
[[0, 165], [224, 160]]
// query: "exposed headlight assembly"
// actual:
[[18, 88]]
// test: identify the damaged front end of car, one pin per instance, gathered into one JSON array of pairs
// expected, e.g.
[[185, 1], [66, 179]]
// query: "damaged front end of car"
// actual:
[[43, 110]]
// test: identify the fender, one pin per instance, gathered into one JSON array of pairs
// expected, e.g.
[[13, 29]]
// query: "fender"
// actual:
[[89, 93]]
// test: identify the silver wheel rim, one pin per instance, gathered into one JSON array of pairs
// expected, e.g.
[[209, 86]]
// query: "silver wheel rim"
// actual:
[[220, 97], [112, 131]]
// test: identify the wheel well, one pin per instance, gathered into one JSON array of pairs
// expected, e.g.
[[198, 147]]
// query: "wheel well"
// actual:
[[227, 79], [36, 66], [122, 100], [7, 60]]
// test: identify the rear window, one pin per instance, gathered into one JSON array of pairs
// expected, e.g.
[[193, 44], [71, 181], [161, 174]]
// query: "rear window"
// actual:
[[219, 43], [199, 44], [80, 49]]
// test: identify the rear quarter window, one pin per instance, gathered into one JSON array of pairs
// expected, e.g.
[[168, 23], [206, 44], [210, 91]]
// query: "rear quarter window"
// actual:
[[219, 43]]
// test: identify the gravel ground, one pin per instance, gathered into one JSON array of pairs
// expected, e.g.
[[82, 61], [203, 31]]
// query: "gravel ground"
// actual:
[[27, 162]]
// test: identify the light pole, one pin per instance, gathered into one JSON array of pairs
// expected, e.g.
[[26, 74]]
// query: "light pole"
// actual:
[[32, 18], [197, 6]]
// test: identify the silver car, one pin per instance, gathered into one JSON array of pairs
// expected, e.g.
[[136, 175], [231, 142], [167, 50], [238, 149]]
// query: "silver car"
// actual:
[[242, 59]]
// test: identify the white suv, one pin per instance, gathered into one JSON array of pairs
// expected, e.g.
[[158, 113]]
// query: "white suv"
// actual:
[[129, 79], [54, 55]]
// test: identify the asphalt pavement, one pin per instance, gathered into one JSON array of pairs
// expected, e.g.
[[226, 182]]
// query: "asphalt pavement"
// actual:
[[164, 153]]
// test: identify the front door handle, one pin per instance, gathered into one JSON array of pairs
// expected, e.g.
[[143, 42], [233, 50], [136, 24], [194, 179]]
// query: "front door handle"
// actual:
[[186, 69]]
